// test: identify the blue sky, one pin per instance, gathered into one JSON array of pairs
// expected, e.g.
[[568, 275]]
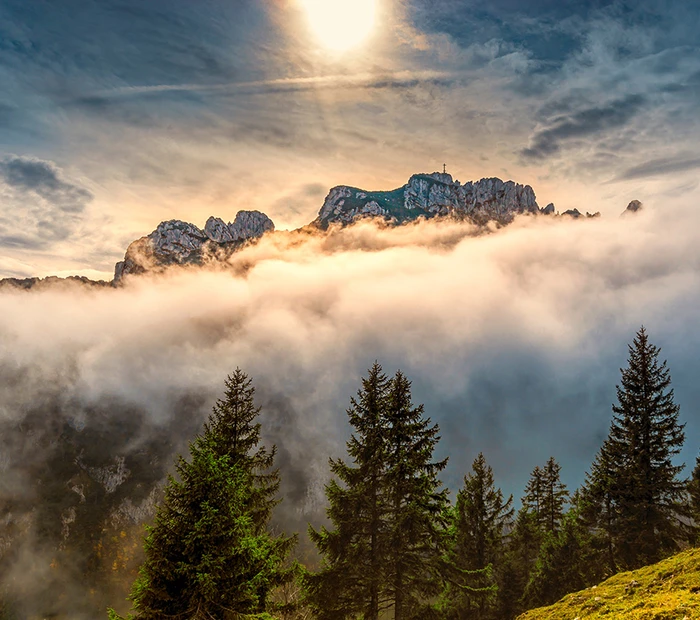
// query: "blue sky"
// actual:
[[144, 111]]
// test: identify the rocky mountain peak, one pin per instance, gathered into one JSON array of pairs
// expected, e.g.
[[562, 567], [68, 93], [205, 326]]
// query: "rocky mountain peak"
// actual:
[[430, 195], [250, 225], [218, 231], [442, 177], [178, 242]]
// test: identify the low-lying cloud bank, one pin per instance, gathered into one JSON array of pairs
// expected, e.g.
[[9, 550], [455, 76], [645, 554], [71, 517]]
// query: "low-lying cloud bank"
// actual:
[[513, 341]]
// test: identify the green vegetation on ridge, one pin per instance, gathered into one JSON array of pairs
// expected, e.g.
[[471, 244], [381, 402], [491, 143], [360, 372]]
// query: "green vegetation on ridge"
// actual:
[[667, 590]]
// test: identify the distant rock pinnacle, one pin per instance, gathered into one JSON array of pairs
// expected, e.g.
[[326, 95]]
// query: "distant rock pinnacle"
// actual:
[[633, 207]]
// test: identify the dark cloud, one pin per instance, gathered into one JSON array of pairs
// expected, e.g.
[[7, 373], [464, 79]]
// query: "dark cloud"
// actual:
[[42, 178], [584, 123], [37, 205], [660, 166], [548, 29]]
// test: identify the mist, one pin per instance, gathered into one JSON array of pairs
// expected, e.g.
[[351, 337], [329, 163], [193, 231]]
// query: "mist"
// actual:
[[513, 340]]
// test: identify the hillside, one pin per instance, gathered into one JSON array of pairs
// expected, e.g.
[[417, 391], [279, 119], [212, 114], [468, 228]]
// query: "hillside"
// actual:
[[664, 591]]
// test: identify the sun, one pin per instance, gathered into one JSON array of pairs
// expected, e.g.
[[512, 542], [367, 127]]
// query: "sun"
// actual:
[[340, 25]]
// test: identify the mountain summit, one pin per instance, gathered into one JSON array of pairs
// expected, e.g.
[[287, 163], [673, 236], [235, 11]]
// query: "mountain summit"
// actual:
[[176, 243], [431, 195], [425, 195]]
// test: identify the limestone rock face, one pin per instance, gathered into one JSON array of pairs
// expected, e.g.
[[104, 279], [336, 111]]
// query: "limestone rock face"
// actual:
[[176, 239], [217, 230], [430, 195], [176, 243], [334, 206], [250, 225]]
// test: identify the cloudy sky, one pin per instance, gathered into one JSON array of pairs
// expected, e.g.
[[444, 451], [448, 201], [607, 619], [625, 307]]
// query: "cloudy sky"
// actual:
[[118, 114]]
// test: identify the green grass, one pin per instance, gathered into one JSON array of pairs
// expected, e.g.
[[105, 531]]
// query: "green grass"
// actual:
[[669, 590]]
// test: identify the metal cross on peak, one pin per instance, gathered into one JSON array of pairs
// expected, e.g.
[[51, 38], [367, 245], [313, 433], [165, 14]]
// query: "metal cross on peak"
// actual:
[[444, 168]]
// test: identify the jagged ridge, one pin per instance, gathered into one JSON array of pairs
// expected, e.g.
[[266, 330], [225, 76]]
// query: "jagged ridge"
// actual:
[[431, 195], [175, 242]]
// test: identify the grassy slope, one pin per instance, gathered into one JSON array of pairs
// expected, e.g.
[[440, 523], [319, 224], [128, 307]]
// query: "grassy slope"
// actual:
[[669, 590]]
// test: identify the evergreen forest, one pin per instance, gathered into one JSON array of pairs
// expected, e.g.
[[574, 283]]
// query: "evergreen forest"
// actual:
[[397, 544]]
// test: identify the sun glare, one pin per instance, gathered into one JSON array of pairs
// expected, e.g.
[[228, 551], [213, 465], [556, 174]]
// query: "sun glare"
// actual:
[[340, 25]]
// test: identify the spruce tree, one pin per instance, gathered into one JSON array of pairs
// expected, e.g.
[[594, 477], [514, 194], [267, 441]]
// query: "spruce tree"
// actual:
[[209, 554], [522, 549], [564, 563], [545, 496], [533, 500], [636, 473], [351, 580], [477, 528], [599, 509], [416, 504], [694, 501], [554, 496]]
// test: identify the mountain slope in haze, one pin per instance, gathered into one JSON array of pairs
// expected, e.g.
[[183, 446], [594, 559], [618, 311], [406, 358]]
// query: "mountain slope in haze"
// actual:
[[669, 590]]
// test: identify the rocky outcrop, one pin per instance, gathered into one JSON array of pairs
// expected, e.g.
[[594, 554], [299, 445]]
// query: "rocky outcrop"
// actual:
[[431, 195], [216, 230], [177, 243], [633, 207], [110, 477], [250, 225], [575, 213], [26, 284]]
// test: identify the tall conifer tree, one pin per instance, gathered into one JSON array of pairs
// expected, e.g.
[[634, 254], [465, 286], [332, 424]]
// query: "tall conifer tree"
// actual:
[[554, 497], [545, 495], [694, 500], [599, 508], [636, 473], [522, 549], [209, 554], [533, 500], [416, 504], [355, 551], [538, 521], [479, 520]]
